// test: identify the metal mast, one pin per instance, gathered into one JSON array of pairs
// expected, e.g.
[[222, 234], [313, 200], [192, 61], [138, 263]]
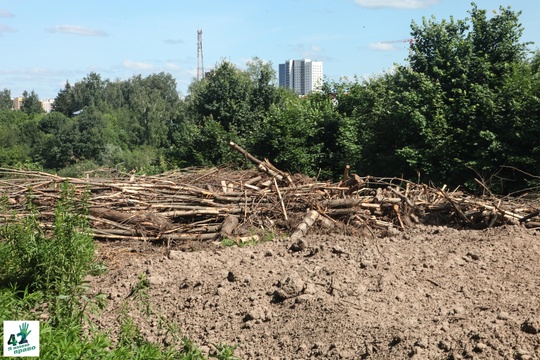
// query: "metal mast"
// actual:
[[200, 63]]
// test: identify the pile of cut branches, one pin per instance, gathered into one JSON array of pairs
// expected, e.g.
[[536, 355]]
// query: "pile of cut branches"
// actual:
[[214, 203]]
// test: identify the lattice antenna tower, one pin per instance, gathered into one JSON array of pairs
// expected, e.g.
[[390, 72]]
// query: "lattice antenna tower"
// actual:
[[200, 62]]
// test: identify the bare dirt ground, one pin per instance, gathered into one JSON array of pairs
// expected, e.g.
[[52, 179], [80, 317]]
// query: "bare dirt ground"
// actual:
[[428, 293]]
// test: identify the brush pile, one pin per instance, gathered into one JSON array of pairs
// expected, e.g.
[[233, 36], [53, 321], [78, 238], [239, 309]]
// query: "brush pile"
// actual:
[[217, 203]]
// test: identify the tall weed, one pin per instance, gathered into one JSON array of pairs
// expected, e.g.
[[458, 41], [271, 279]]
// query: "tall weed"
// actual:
[[55, 262]]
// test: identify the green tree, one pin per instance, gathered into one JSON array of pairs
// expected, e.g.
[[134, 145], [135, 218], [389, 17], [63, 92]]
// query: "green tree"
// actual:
[[14, 145], [265, 92], [223, 95], [153, 102], [5, 99], [472, 62], [534, 62], [87, 92], [290, 136], [59, 138], [263, 95], [30, 104], [63, 102], [235, 102], [90, 142], [402, 117]]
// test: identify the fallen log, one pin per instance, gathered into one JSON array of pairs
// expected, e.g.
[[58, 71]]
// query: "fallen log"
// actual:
[[150, 220], [305, 224], [264, 166], [229, 225]]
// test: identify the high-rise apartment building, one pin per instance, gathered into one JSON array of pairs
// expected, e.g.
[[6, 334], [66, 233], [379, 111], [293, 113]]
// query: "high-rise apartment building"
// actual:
[[17, 103], [302, 76]]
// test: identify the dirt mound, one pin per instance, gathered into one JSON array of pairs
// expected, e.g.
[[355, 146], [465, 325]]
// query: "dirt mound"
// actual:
[[427, 293]]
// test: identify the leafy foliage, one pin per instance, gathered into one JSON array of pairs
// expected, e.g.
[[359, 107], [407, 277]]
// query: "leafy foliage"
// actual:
[[30, 103], [465, 106], [5, 100], [53, 265]]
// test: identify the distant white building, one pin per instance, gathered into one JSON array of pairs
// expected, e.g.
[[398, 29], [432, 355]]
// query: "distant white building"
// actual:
[[47, 105], [302, 76]]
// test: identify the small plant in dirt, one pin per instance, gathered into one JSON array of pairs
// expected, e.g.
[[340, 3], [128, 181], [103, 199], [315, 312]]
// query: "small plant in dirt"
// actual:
[[139, 292], [224, 352], [227, 242]]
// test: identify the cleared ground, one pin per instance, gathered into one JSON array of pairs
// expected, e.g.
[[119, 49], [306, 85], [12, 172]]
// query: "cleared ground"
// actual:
[[428, 293]]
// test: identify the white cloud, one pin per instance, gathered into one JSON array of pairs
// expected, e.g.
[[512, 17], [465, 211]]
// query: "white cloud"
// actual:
[[312, 52], [381, 46], [5, 29], [173, 41], [172, 66], [396, 4], [6, 14], [134, 65], [76, 30], [26, 72]]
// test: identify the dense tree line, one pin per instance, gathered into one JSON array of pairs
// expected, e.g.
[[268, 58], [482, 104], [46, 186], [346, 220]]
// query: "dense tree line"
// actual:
[[465, 105]]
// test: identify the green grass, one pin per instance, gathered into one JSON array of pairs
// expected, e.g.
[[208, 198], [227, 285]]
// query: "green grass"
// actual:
[[226, 242], [42, 278]]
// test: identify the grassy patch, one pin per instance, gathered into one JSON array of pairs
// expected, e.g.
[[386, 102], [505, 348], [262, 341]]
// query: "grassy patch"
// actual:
[[226, 242]]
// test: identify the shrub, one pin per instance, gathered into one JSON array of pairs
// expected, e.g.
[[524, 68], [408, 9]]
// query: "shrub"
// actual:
[[54, 264]]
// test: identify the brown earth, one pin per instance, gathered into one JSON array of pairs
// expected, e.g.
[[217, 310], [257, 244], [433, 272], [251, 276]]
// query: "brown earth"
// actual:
[[428, 293]]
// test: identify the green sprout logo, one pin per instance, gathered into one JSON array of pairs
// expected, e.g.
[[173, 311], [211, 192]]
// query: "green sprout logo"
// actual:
[[23, 333]]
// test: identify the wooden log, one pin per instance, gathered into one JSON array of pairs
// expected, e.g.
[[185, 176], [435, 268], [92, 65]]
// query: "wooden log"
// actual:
[[281, 201], [287, 176], [398, 214], [351, 203], [251, 158], [108, 222], [456, 208], [530, 216], [253, 180], [101, 234], [217, 212], [269, 171], [150, 220], [229, 225], [532, 224], [247, 239], [401, 196], [354, 183], [264, 166], [346, 173], [343, 211], [305, 224], [252, 187], [204, 229], [505, 213], [335, 203]]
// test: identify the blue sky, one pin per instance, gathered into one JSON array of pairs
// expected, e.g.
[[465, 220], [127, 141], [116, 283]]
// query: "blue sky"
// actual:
[[45, 43]]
